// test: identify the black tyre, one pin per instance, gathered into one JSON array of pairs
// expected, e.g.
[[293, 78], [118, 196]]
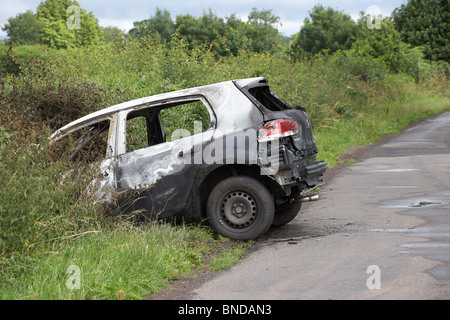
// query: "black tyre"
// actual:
[[287, 215], [240, 208]]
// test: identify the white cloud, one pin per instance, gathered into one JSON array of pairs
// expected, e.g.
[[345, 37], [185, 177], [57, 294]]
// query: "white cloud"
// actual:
[[289, 28], [11, 9], [122, 24]]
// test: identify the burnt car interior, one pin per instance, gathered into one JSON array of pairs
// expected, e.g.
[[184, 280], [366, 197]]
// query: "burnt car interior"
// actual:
[[85, 146], [144, 129]]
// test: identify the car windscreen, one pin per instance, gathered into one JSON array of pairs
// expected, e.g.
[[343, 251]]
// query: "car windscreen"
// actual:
[[84, 146]]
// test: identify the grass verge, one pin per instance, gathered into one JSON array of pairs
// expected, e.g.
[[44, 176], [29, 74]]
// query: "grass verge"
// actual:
[[126, 262], [390, 118]]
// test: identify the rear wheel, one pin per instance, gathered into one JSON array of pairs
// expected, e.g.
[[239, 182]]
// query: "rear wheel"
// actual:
[[287, 215], [240, 208]]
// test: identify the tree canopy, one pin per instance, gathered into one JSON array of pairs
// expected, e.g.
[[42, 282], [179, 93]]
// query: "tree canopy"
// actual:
[[420, 23], [426, 23], [57, 24], [161, 25], [326, 29], [58, 31], [24, 28], [385, 44], [225, 36]]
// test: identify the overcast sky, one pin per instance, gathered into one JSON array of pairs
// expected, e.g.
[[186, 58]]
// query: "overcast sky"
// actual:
[[122, 13]]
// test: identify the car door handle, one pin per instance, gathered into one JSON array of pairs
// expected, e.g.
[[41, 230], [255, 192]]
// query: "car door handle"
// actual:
[[181, 153]]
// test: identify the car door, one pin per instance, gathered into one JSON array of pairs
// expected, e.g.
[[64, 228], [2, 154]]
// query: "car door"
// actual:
[[163, 152]]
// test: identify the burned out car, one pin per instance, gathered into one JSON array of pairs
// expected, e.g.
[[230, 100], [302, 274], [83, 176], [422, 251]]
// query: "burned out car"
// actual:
[[232, 154]]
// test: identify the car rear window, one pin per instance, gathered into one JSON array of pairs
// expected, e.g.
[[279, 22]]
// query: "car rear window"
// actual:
[[268, 99]]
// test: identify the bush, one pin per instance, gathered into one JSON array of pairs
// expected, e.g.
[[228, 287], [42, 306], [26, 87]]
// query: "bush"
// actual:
[[366, 68], [41, 95], [385, 44], [38, 203], [12, 60]]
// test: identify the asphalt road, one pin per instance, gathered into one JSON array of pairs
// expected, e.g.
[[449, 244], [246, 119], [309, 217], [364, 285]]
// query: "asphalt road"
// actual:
[[381, 230]]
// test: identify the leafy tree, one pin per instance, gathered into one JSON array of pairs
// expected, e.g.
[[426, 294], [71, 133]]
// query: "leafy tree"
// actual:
[[54, 16], [24, 28], [262, 31], [426, 23], [160, 25], [223, 36], [385, 44], [326, 29], [113, 34], [263, 17], [207, 29], [235, 35]]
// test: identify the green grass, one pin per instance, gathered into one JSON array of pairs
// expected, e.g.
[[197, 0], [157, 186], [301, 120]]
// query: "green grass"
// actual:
[[124, 263], [228, 257]]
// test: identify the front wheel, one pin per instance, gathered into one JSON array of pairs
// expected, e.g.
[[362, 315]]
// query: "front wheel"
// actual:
[[240, 208]]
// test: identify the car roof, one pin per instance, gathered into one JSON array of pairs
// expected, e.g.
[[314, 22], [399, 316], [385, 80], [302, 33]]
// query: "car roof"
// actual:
[[105, 113]]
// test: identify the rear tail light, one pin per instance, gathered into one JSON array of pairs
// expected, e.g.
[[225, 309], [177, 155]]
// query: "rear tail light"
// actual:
[[276, 129]]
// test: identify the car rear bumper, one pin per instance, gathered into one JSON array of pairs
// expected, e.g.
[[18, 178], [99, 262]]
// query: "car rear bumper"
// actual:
[[305, 174]]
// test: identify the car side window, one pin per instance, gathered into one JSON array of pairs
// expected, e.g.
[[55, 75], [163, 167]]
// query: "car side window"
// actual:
[[137, 132], [156, 124], [192, 116]]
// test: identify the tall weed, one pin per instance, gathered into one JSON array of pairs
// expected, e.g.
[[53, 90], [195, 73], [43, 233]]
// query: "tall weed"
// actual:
[[39, 204]]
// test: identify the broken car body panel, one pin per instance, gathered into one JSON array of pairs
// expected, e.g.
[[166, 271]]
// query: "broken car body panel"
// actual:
[[174, 178]]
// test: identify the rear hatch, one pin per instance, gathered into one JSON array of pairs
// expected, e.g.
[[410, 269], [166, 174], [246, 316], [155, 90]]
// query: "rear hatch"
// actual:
[[274, 109]]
